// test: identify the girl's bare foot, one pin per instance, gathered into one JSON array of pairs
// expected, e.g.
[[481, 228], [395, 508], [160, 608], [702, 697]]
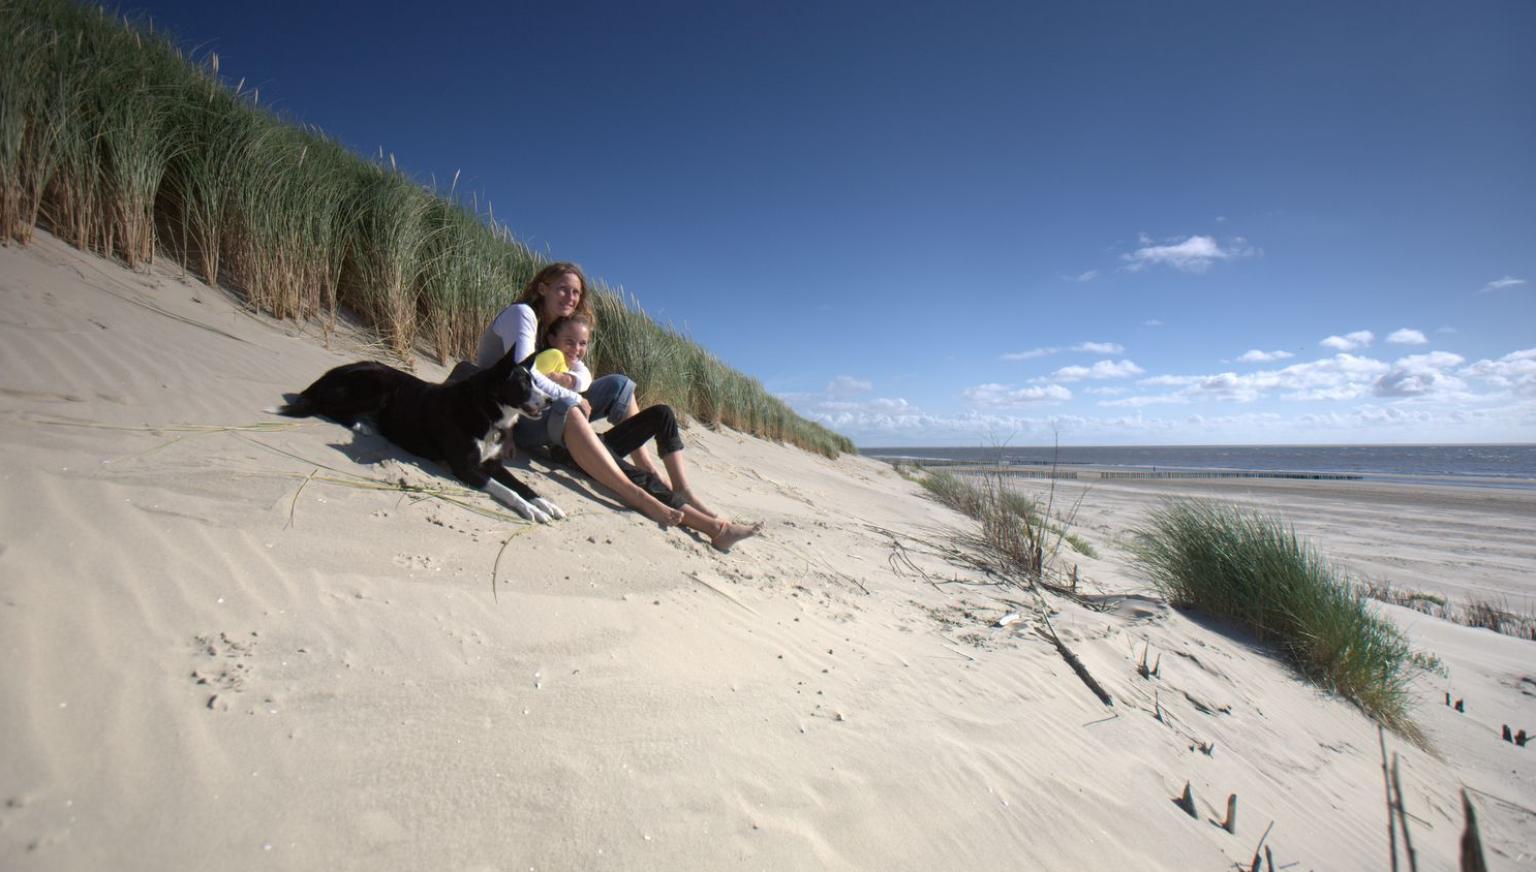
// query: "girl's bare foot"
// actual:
[[731, 533]]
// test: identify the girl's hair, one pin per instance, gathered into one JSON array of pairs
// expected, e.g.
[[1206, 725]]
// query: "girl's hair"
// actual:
[[548, 339], [534, 290]]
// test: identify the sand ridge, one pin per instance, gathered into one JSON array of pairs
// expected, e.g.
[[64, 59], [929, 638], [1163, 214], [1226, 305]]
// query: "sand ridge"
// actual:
[[221, 651]]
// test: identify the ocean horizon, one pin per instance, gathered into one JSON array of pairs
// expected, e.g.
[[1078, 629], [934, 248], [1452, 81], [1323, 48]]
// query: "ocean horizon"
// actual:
[[1512, 462]]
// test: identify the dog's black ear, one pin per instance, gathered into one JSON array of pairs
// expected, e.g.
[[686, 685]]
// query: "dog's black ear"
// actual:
[[504, 366]]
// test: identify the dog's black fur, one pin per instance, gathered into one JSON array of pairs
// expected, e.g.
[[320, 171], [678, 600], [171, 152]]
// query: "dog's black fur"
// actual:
[[464, 423]]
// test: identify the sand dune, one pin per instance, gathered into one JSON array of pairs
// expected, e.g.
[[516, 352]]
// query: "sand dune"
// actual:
[[222, 651]]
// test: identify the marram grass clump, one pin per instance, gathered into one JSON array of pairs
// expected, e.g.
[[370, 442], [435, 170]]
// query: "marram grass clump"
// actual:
[[1252, 570], [116, 142]]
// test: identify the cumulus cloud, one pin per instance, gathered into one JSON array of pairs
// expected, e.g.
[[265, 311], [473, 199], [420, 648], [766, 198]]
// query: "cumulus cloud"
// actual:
[[1406, 336], [1341, 377], [1257, 356], [1101, 370], [1195, 254], [1421, 375], [1008, 396], [1030, 354], [1099, 347], [1501, 284], [1349, 341], [1516, 370]]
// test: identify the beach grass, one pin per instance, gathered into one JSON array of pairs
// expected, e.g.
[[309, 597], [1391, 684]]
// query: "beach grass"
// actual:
[[118, 143], [1014, 526], [1252, 570]]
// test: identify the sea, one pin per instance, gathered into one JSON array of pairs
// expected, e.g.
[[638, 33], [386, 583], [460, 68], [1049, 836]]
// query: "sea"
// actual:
[[1477, 465]]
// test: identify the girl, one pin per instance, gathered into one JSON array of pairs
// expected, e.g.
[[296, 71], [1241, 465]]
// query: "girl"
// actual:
[[558, 291]]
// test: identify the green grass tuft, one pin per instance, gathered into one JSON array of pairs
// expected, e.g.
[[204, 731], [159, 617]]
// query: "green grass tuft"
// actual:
[[1253, 571]]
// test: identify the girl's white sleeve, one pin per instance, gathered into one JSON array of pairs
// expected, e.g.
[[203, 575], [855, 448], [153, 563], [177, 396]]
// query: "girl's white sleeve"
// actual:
[[582, 375]]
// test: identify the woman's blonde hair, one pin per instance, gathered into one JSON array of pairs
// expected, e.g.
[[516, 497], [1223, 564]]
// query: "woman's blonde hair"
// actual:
[[534, 290]]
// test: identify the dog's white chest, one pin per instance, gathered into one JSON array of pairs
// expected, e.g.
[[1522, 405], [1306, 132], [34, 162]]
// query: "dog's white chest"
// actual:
[[497, 439]]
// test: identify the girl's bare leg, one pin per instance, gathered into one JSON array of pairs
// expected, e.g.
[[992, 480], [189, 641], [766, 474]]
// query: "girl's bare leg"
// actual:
[[678, 471], [592, 456], [722, 533]]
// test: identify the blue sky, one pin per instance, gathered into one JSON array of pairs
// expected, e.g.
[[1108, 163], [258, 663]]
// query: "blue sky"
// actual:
[[975, 223]]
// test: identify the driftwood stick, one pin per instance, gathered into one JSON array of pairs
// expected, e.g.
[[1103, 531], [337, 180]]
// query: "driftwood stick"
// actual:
[[1230, 824], [1402, 818], [1186, 801], [1471, 844], [1258, 849], [1386, 780], [1072, 661]]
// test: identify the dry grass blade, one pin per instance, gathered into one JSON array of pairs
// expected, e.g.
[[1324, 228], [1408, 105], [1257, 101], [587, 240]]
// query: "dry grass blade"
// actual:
[[293, 506], [264, 427]]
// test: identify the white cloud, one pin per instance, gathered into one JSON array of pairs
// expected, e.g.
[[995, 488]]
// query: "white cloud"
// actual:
[[1516, 370], [847, 386], [1349, 341], [1406, 336], [1101, 370], [1420, 375], [1257, 356], [1341, 377], [1104, 391], [1030, 354], [1087, 276], [1195, 254], [1152, 322], [1501, 284], [1007, 396], [1099, 347]]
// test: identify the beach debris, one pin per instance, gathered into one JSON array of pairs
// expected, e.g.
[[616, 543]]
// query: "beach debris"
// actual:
[[1156, 668], [1049, 633], [1186, 801], [1508, 736], [1010, 618], [1402, 817], [1447, 699], [1206, 748], [1260, 846], [1520, 738], [1230, 824], [1157, 708], [1461, 706]]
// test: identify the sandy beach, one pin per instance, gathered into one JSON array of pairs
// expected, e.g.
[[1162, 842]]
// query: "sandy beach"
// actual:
[[233, 641]]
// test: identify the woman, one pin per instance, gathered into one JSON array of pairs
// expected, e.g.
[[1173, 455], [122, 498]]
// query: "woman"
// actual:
[[559, 291]]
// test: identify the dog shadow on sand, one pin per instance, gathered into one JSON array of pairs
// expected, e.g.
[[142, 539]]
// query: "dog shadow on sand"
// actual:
[[368, 448]]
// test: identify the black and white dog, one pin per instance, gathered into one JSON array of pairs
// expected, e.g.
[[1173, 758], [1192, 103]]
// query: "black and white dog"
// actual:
[[465, 424]]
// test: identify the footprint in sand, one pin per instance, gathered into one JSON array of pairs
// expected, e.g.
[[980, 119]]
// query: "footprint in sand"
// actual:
[[221, 670]]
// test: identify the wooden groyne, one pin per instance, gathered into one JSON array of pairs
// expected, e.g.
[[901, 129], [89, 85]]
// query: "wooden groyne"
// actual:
[[1125, 474], [1231, 473]]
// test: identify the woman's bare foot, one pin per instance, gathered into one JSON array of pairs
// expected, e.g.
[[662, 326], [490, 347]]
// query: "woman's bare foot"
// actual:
[[731, 533], [692, 500]]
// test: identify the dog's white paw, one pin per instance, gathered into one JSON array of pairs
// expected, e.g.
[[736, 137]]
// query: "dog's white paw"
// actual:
[[509, 498], [549, 508]]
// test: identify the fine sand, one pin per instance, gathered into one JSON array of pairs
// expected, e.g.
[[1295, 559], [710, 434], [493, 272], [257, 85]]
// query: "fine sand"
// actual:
[[222, 651]]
